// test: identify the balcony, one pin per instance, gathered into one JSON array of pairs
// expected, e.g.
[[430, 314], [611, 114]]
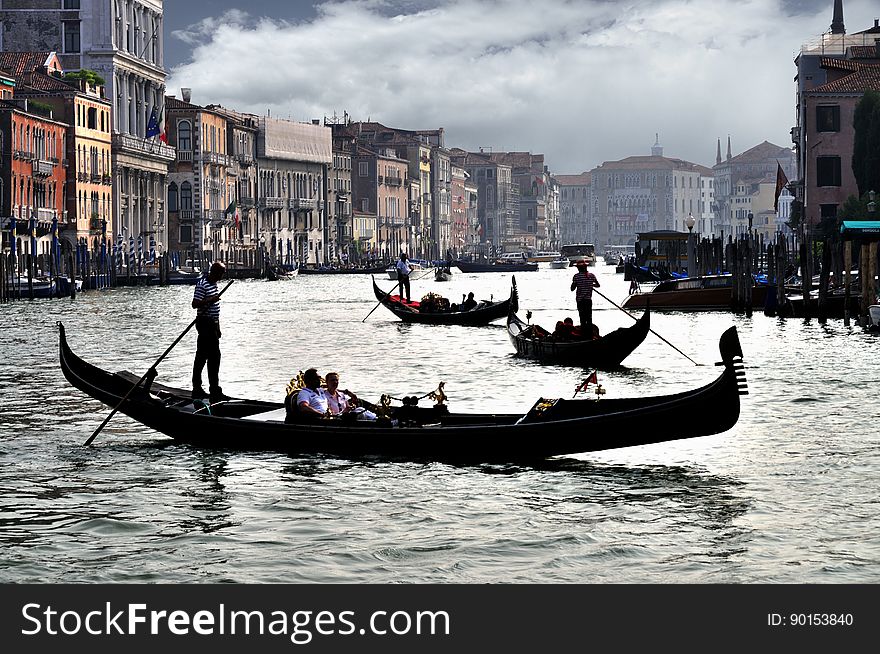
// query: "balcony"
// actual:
[[42, 168], [272, 203], [184, 155], [214, 158], [302, 204], [393, 181], [185, 214], [366, 234], [245, 201], [144, 148], [244, 159], [45, 215], [214, 215], [397, 221], [95, 179]]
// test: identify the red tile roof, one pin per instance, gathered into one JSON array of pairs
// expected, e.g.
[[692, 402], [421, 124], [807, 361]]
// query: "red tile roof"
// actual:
[[574, 180], [19, 63], [865, 77], [43, 82]]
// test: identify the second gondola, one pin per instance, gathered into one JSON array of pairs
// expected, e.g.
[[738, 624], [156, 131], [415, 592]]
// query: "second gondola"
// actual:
[[419, 312]]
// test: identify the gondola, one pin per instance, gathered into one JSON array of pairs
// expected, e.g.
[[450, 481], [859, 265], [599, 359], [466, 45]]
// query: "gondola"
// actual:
[[550, 428], [605, 353], [370, 270], [482, 314], [474, 267]]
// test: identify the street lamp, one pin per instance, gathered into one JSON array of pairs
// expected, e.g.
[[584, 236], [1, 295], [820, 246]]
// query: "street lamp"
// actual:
[[872, 206], [751, 218], [691, 250]]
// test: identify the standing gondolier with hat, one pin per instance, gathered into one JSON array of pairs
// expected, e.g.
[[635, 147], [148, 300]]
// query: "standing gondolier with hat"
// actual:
[[403, 273], [206, 300], [583, 283]]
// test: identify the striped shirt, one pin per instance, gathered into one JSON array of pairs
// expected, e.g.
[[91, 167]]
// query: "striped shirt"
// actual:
[[584, 283], [204, 289]]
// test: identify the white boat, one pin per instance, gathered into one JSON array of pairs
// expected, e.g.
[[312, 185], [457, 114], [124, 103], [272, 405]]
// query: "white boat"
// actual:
[[391, 270], [543, 257], [556, 264]]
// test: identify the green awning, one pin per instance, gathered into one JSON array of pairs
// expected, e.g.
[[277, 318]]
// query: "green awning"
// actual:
[[869, 229]]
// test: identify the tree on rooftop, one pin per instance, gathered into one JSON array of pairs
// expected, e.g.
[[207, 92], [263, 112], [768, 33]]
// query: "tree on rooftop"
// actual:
[[89, 75]]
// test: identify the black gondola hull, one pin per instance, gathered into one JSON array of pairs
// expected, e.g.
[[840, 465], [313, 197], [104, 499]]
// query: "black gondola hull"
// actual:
[[482, 315], [572, 426]]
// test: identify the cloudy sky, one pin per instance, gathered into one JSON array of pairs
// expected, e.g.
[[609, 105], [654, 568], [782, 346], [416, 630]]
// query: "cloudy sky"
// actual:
[[581, 81]]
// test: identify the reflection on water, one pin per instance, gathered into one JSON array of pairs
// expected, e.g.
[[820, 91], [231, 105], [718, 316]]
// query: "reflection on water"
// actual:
[[786, 496]]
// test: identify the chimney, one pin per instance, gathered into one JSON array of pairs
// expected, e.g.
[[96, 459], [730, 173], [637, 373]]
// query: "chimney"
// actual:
[[186, 94]]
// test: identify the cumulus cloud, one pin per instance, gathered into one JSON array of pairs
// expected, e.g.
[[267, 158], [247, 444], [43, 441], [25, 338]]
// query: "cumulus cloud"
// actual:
[[581, 81]]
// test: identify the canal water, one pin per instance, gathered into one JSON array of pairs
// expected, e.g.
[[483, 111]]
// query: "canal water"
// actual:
[[789, 495]]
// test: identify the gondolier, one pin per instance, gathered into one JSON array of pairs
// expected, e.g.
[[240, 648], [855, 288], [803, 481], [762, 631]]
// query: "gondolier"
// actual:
[[583, 283], [206, 300], [403, 272]]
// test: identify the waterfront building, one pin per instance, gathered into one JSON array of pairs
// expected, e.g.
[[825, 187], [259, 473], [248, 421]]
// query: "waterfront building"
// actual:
[[460, 200], [576, 224], [705, 219], [497, 200], [531, 180], [833, 72], [122, 41], [292, 163], [745, 170], [642, 194], [32, 174], [430, 168], [198, 189], [379, 189], [242, 238], [78, 101], [363, 235], [340, 234]]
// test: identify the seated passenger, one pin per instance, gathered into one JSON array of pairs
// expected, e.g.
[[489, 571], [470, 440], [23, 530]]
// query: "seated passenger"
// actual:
[[344, 403], [311, 401], [560, 331], [470, 303]]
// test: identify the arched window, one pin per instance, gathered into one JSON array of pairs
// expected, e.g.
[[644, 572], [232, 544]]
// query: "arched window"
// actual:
[[172, 197], [184, 136], [186, 197]]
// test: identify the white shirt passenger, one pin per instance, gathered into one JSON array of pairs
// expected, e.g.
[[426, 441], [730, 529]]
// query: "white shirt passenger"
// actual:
[[316, 399]]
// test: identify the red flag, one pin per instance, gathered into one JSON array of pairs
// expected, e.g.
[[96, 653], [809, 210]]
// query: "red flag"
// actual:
[[584, 385], [781, 183]]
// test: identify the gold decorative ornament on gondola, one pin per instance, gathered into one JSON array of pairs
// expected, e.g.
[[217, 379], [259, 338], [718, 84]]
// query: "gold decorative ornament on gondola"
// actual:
[[296, 384]]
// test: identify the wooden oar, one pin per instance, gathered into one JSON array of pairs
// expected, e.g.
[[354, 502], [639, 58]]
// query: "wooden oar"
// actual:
[[380, 301], [649, 328], [152, 370]]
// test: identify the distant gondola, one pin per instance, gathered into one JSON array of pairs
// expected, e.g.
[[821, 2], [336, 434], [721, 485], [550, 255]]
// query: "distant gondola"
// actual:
[[550, 428], [606, 352], [473, 267], [483, 314], [370, 270]]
